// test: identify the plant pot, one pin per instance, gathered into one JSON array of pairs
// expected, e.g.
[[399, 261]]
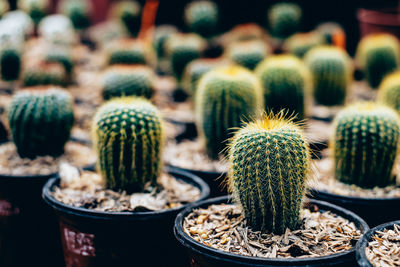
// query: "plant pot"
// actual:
[[374, 211], [363, 242], [202, 255], [95, 238], [190, 131], [379, 20]]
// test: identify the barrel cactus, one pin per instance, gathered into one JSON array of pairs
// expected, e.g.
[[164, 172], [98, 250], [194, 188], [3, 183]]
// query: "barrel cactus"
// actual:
[[129, 13], [128, 138], [161, 34], [300, 43], [269, 165], [378, 55], [10, 63], [126, 80], [201, 17], [332, 73], [78, 11], [389, 91], [40, 121], [37, 9], [286, 83], [44, 73], [127, 51], [365, 144], [333, 34], [284, 19], [225, 98], [62, 56], [248, 53]]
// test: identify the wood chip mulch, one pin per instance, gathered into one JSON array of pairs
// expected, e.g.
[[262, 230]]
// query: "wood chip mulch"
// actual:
[[384, 249]]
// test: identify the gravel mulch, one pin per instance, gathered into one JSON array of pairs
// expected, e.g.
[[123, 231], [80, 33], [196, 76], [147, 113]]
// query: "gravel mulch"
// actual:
[[384, 249]]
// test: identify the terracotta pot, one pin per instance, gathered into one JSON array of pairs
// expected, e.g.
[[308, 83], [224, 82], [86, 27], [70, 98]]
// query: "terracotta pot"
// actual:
[[379, 20]]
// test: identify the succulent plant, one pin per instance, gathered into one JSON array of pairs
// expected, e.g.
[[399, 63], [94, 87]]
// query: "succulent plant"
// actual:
[[378, 55], [44, 74], [248, 53], [37, 9], [332, 73], [62, 56], [10, 63], [300, 43], [333, 34], [202, 17], [161, 34], [284, 19], [365, 144], [128, 138], [389, 91], [58, 29], [269, 165], [129, 13], [127, 51], [286, 83], [41, 121], [126, 80], [78, 11], [225, 98]]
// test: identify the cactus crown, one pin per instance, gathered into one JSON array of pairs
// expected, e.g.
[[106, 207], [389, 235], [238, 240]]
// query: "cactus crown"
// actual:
[[248, 53], [62, 56], [41, 121], [389, 91], [365, 144], [129, 13], [127, 51], [128, 138], [44, 74], [202, 17], [37, 9], [300, 43], [284, 19], [269, 166], [161, 34], [78, 11]]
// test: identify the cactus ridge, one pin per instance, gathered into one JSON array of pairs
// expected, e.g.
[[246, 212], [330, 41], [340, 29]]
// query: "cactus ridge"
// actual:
[[389, 91]]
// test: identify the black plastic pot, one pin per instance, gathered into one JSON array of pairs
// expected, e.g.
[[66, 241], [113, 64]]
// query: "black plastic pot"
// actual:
[[94, 238], [204, 256], [374, 211], [189, 132], [363, 242]]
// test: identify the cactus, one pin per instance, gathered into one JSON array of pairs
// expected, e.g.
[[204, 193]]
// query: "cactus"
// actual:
[[378, 55], [248, 53], [4, 7], [183, 48], [286, 82], [284, 19], [41, 121], [127, 51], [128, 136], [389, 91], [122, 80], [365, 144], [269, 166], [129, 13], [332, 73], [10, 63], [78, 11], [44, 74], [57, 29], [161, 34], [333, 34], [300, 43], [62, 56], [201, 17], [37, 9], [225, 97]]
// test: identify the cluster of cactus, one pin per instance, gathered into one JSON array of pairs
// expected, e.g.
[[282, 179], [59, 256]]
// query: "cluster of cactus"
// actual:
[[389, 91], [161, 34], [127, 51], [202, 17], [284, 19], [128, 136], [286, 82], [378, 55], [40, 121], [78, 11], [44, 74], [248, 53], [269, 165], [365, 144], [10, 63], [300, 43], [225, 98], [37, 9], [332, 73], [126, 80], [333, 34], [129, 13]]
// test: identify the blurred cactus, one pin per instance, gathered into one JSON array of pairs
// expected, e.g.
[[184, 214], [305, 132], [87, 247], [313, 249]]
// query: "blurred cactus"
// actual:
[[44, 74], [129, 13], [37, 9], [79, 11], [284, 19], [248, 53], [58, 30], [333, 34], [62, 56], [389, 91], [10, 63], [127, 51], [201, 17], [300, 43], [4, 7], [161, 34]]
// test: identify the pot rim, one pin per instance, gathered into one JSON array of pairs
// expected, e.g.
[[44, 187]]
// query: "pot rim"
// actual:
[[382, 16], [352, 199], [362, 259], [213, 173], [200, 248]]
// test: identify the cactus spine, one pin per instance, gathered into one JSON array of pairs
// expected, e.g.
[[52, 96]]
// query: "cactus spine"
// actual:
[[128, 136], [284, 19], [269, 165], [331, 70], [389, 91], [10, 64], [365, 144], [41, 121], [202, 17], [248, 53], [225, 97]]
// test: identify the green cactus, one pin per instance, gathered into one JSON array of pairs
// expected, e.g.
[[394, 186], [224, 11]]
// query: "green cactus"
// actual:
[[269, 166], [122, 80], [248, 53], [286, 83], [378, 55], [44, 74], [78, 11], [331, 31], [365, 144], [127, 51], [389, 91], [201, 17], [161, 34], [284, 19], [332, 73], [41, 121], [225, 97], [37, 9], [10, 64], [128, 136], [62, 56], [300, 43], [129, 13]]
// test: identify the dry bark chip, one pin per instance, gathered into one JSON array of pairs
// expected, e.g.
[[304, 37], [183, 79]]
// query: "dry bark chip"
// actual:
[[384, 248]]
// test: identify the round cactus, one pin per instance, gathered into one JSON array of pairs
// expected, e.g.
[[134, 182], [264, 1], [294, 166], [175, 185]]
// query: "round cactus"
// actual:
[[44, 74], [365, 144], [128, 138], [332, 73], [286, 82], [300, 43], [37, 9], [225, 98], [41, 121], [161, 34], [378, 55], [269, 165], [248, 53], [10, 63], [284, 19], [333, 34], [123, 80], [202, 17], [127, 51], [78, 11], [389, 91], [129, 13], [62, 56]]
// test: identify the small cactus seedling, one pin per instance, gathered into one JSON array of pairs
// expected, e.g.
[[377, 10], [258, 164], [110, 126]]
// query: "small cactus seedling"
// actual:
[[44, 74], [300, 43], [37, 9], [333, 34], [10, 63], [284, 19], [161, 34], [225, 97], [248, 53], [127, 51], [202, 17], [126, 80], [269, 166], [41, 121], [129, 13], [365, 144], [128, 139], [378, 55], [286, 83], [332, 73], [78, 11], [389, 91]]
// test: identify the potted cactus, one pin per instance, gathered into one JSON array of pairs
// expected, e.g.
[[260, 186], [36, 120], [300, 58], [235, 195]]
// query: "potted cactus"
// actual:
[[389, 91], [201, 17], [130, 198], [269, 165], [284, 19]]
